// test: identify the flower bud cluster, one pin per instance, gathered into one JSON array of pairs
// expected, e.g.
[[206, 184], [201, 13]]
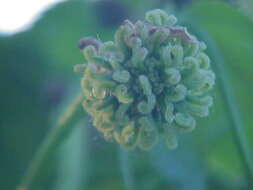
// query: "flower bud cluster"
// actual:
[[151, 82]]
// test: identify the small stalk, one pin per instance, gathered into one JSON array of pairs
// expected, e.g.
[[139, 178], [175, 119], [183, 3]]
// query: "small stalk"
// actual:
[[59, 132], [125, 169]]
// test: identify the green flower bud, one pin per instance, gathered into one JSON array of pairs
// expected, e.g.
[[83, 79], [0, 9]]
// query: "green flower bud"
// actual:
[[139, 55], [168, 112], [166, 56], [121, 76], [145, 85], [177, 93], [171, 20], [105, 127], [204, 60], [89, 52], [192, 49], [142, 29], [146, 107], [157, 37], [99, 93], [190, 64], [121, 111], [159, 17], [185, 121], [173, 76], [101, 62], [110, 51], [88, 41], [203, 101], [177, 53], [150, 83], [202, 46], [197, 110], [125, 30], [122, 95], [128, 133]]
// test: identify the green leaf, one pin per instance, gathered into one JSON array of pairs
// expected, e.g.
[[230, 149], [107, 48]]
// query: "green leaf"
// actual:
[[232, 31], [232, 34], [57, 33]]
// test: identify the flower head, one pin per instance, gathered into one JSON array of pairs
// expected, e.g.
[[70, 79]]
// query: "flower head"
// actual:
[[151, 82]]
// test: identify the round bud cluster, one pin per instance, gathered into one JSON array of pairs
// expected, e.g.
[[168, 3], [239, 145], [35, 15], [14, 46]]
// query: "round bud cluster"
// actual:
[[149, 83]]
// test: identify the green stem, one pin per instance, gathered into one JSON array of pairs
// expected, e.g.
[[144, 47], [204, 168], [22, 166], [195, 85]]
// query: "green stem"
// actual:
[[125, 167], [232, 111], [47, 149]]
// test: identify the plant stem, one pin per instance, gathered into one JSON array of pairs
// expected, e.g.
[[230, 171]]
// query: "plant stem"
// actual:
[[125, 169], [48, 148], [232, 111]]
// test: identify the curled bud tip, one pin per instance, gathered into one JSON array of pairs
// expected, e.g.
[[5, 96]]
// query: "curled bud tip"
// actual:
[[84, 42]]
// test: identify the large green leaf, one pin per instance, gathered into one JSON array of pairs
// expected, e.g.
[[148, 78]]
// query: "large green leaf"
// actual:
[[232, 33], [231, 29], [36, 71]]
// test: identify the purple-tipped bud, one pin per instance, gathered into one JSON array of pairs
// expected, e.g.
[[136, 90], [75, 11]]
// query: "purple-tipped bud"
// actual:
[[84, 42]]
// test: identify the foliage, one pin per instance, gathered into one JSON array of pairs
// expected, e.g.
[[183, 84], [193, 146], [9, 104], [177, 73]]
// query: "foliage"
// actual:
[[36, 77]]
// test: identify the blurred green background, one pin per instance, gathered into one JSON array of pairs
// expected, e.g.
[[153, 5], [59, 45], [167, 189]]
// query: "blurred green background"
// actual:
[[37, 81]]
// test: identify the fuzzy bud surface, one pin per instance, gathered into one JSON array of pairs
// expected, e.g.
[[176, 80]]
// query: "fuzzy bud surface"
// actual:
[[150, 83]]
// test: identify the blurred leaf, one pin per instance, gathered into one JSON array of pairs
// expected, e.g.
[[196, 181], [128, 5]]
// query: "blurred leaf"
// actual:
[[36, 71], [58, 32], [232, 32], [181, 167], [72, 164], [141, 5], [247, 7]]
